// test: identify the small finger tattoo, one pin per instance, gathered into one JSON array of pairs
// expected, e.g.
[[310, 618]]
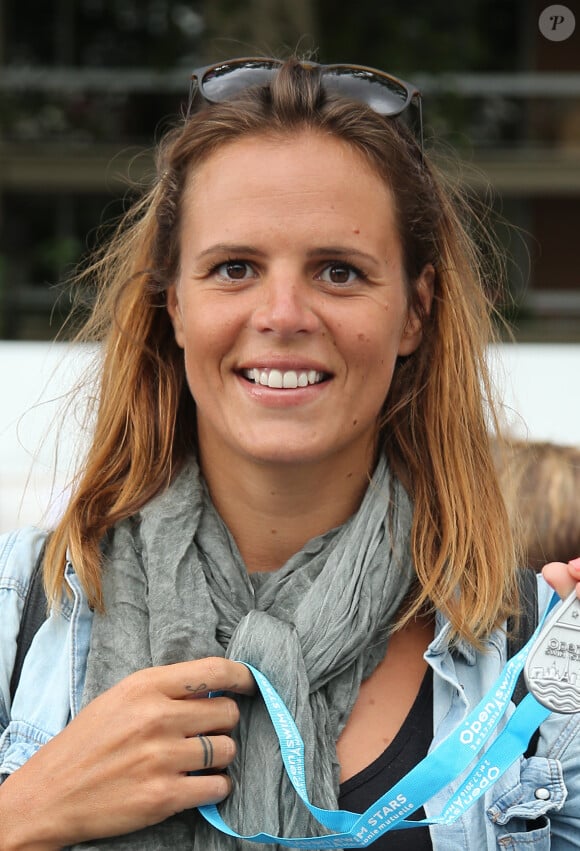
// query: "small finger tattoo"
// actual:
[[207, 751], [196, 689]]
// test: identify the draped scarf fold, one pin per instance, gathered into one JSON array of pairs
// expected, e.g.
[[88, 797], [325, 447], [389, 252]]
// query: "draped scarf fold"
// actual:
[[176, 588]]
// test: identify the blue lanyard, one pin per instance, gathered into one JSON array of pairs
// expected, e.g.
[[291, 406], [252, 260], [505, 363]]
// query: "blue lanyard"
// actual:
[[462, 748]]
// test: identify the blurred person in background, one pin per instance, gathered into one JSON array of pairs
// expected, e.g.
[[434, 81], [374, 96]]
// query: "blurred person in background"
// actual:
[[540, 481]]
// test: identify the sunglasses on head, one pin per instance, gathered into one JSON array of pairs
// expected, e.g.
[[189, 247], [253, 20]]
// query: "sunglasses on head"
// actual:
[[385, 94]]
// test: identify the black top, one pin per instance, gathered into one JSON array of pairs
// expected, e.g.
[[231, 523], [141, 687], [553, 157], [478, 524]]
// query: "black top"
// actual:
[[409, 747]]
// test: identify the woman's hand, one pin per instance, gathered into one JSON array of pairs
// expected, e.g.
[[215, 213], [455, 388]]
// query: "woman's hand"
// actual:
[[563, 577], [122, 764]]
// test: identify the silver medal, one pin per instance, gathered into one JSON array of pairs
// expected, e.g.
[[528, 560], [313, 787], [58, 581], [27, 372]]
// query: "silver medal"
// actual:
[[552, 670]]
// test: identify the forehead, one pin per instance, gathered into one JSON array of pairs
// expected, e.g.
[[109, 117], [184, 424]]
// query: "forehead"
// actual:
[[307, 173]]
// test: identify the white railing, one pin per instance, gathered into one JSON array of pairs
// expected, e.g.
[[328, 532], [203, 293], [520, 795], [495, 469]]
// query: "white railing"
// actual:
[[62, 80], [539, 385]]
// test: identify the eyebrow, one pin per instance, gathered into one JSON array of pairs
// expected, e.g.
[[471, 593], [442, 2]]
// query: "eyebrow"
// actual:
[[341, 251], [230, 248], [322, 251]]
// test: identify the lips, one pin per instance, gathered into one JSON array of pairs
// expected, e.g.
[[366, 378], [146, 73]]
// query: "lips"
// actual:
[[288, 379]]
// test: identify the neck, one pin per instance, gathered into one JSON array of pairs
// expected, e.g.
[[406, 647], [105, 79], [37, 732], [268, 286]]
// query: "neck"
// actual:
[[272, 511]]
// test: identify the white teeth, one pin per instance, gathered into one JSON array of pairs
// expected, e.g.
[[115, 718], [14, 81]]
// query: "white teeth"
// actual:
[[275, 379], [288, 380]]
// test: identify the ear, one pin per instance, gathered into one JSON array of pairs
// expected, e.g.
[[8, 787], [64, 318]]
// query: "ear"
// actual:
[[174, 311], [412, 335]]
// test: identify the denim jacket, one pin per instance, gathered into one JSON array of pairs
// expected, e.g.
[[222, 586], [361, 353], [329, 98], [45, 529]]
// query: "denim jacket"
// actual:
[[535, 805]]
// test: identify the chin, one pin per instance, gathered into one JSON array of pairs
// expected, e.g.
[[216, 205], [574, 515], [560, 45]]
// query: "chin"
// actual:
[[301, 456], [285, 457], [285, 450]]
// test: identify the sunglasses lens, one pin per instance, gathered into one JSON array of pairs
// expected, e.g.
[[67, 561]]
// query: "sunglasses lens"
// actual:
[[223, 82], [383, 94]]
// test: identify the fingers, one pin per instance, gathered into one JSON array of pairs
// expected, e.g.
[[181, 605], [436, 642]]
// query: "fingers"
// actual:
[[206, 789], [208, 753], [200, 784], [208, 715], [159, 700], [153, 753], [203, 753], [201, 676], [212, 752], [152, 713], [563, 577]]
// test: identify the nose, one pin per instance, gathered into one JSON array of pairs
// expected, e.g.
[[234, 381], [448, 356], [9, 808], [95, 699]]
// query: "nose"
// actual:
[[285, 305]]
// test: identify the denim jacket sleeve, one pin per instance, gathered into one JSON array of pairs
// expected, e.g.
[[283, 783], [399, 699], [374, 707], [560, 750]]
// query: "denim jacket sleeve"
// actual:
[[535, 805], [52, 677]]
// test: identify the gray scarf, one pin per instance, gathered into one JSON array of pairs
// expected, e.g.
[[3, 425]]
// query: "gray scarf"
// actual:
[[176, 588]]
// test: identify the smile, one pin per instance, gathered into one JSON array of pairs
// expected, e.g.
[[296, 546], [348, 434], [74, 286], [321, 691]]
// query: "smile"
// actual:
[[287, 380]]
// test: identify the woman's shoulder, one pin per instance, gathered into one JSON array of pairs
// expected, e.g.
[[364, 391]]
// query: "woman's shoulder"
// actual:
[[19, 552], [56, 657]]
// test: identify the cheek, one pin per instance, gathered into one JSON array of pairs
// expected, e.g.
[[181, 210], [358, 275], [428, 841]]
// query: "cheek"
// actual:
[[199, 324], [208, 341], [371, 366], [374, 353]]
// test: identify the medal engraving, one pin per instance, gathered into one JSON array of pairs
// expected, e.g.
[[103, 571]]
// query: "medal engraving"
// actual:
[[552, 670]]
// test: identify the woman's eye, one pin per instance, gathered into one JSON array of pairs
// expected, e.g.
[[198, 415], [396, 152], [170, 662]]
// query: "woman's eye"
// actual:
[[234, 270], [340, 273]]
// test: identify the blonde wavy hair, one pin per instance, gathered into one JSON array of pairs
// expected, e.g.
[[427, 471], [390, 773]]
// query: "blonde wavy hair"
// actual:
[[434, 423]]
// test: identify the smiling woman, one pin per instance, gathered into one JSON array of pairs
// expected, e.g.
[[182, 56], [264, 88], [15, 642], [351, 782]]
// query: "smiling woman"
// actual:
[[291, 306], [290, 467]]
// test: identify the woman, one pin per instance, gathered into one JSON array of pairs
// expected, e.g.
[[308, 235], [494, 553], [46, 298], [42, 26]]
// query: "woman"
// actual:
[[290, 467]]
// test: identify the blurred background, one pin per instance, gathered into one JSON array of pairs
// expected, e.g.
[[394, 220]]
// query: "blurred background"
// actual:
[[87, 85]]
